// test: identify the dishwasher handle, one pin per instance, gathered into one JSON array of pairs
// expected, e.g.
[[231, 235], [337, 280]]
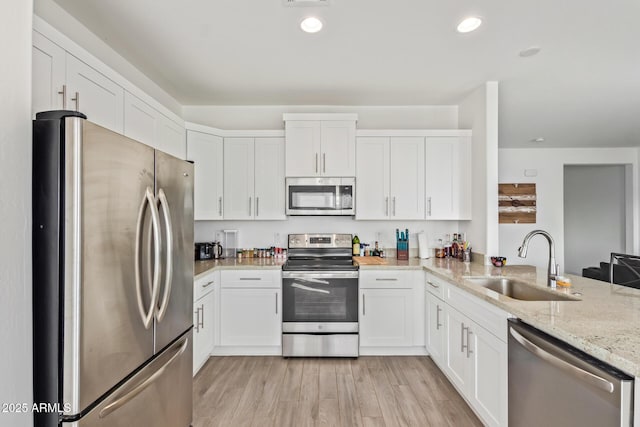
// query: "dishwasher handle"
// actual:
[[577, 372]]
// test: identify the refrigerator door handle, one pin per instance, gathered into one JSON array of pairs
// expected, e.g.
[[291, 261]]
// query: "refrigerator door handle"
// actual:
[[149, 199], [162, 310], [140, 387]]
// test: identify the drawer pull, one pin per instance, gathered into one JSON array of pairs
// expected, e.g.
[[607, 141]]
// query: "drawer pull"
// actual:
[[251, 278], [433, 285], [380, 279], [207, 284]]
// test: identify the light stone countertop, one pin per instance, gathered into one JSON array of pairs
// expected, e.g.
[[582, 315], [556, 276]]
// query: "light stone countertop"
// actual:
[[604, 323]]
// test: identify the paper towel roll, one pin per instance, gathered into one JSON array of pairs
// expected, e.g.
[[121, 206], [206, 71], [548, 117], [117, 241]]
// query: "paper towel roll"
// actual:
[[423, 245]]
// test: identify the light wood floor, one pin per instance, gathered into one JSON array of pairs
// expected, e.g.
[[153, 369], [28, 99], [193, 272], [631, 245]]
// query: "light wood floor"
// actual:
[[369, 391]]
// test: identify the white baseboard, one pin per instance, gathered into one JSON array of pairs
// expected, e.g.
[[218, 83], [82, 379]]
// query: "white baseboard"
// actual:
[[393, 351], [247, 351]]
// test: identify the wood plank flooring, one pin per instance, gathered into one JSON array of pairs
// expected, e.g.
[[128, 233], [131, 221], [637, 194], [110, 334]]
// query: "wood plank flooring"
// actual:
[[369, 391]]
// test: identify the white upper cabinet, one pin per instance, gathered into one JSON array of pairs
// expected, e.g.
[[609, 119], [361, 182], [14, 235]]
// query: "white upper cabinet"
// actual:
[[406, 187], [322, 147], [205, 151], [338, 148], [147, 125], [390, 178], [372, 178], [448, 178], [171, 137], [93, 94], [140, 120], [269, 178], [238, 178], [48, 77], [254, 178]]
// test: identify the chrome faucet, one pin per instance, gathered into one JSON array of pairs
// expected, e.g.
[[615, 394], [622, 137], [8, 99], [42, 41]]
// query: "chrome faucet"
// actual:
[[553, 267]]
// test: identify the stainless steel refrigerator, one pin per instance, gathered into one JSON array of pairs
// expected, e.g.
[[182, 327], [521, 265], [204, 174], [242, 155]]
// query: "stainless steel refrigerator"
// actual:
[[112, 278]]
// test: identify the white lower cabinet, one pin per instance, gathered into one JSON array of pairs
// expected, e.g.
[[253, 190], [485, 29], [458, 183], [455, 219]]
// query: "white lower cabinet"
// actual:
[[466, 337], [250, 313], [204, 328], [391, 316], [435, 328]]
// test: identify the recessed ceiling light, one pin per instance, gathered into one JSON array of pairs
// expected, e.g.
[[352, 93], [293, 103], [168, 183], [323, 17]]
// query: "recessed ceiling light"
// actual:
[[538, 139], [311, 25], [469, 24], [530, 51]]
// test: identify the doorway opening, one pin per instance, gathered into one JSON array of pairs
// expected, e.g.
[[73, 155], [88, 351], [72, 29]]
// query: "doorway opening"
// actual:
[[597, 214]]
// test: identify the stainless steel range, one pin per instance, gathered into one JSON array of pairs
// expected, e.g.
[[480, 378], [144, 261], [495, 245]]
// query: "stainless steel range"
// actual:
[[320, 297]]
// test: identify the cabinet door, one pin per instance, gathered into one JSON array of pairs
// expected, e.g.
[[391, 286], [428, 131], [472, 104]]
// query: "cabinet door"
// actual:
[[199, 340], [386, 317], [435, 328], [269, 178], [206, 153], [372, 178], [93, 94], [47, 78], [407, 177], [171, 137], [250, 317], [302, 148], [140, 120], [238, 178], [489, 376], [338, 148], [456, 359], [448, 183]]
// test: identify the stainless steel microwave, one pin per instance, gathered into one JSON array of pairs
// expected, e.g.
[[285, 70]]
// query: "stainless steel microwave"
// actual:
[[321, 196]]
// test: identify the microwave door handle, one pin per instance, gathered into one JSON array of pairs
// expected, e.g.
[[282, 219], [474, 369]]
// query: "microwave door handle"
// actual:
[[307, 288]]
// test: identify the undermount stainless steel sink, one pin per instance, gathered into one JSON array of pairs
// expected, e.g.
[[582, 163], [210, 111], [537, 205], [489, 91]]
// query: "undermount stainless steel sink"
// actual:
[[518, 290]]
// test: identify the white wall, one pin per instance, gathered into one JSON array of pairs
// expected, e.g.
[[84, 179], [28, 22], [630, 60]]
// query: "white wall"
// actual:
[[15, 209], [549, 164], [62, 21], [369, 117], [262, 233], [594, 214], [479, 112]]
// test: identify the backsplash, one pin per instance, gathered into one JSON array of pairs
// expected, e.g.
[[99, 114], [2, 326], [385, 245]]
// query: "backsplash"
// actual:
[[274, 233]]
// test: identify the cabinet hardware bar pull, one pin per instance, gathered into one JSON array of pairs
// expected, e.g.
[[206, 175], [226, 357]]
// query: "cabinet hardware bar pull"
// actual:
[[202, 311], [220, 206], [77, 101], [390, 279], [196, 326], [276, 303], [394, 205], [462, 334], [324, 162], [249, 206], [433, 285], [438, 310], [316, 162], [386, 204], [257, 206], [469, 333], [63, 92], [428, 206], [250, 278], [364, 306], [208, 284]]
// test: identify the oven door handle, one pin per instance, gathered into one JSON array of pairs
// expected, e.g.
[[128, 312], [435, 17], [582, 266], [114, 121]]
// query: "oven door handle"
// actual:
[[307, 288], [312, 280]]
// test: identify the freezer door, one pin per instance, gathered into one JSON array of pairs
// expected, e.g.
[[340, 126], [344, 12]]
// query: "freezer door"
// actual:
[[160, 395], [174, 194], [105, 339]]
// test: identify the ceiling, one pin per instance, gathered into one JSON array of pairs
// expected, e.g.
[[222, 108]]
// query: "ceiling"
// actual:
[[582, 89]]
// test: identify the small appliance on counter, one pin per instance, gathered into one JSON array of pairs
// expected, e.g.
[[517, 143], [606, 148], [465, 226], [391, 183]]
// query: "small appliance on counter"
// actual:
[[208, 250]]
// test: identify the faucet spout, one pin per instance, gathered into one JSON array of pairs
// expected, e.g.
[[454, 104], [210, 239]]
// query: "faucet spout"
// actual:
[[553, 268]]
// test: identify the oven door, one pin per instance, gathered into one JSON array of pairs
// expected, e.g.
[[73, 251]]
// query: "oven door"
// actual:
[[320, 302]]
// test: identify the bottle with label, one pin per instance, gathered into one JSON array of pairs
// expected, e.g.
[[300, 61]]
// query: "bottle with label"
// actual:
[[440, 249], [447, 246], [455, 246], [356, 245]]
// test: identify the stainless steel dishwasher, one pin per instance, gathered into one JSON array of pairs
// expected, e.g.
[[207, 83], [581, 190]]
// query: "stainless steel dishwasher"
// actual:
[[554, 384]]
